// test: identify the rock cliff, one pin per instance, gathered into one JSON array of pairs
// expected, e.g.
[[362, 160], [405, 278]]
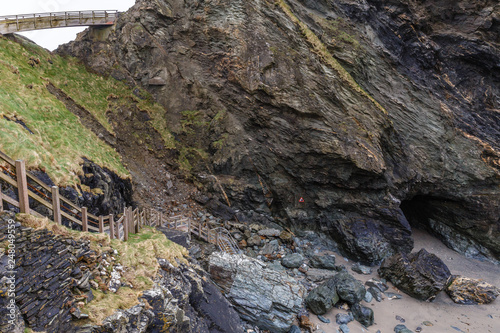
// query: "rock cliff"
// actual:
[[380, 114]]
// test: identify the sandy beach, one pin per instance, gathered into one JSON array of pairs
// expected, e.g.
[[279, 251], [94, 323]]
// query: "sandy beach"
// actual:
[[443, 313]]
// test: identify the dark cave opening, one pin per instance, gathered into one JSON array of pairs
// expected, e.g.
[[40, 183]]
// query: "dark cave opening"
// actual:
[[418, 211]]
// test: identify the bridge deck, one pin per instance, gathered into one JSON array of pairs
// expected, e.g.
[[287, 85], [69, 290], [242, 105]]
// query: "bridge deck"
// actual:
[[17, 23]]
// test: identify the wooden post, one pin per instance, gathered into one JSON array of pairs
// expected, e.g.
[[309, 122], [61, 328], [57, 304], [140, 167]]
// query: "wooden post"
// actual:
[[137, 223], [130, 220], [189, 226], [101, 224], [111, 227], [160, 218], [1, 199], [84, 219], [125, 224], [22, 187], [56, 205]]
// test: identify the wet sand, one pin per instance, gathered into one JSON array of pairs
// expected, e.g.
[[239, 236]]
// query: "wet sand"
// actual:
[[443, 313]]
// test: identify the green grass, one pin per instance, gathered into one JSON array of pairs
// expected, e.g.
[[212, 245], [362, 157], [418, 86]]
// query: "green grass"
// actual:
[[60, 141]]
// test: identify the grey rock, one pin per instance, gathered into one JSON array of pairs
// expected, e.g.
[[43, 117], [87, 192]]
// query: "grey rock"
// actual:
[[270, 248], [323, 261], [294, 329], [323, 319], [392, 296], [344, 328], [348, 288], [362, 314], [402, 329], [421, 275], [322, 298], [263, 297], [276, 265], [318, 275], [378, 284], [269, 232], [255, 240], [377, 294], [293, 260], [344, 318], [368, 297], [361, 269]]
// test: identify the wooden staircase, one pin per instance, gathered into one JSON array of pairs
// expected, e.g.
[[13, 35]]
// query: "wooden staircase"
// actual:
[[219, 236]]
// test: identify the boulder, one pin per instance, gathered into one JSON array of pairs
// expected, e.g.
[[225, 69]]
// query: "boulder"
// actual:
[[318, 275], [286, 236], [421, 275], [463, 290], [263, 297], [269, 232], [348, 288], [254, 240], [402, 329], [361, 269], [322, 298], [344, 318], [293, 260], [362, 314], [323, 261]]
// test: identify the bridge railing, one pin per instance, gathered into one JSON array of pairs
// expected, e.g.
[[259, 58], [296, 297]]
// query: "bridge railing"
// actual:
[[25, 22]]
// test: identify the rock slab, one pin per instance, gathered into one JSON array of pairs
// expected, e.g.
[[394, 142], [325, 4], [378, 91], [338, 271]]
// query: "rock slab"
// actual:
[[463, 290], [263, 297]]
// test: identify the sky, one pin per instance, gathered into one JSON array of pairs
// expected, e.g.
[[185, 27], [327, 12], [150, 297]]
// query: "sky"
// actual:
[[51, 38]]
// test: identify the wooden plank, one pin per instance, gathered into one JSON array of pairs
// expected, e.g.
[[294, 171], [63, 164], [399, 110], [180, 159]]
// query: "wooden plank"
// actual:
[[7, 159], [111, 227], [56, 205], [22, 186], [8, 180], [84, 219], [1, 200], [137, 223], [72, 205], [39, 182], [73, 219], [10, 201], [101, 224]]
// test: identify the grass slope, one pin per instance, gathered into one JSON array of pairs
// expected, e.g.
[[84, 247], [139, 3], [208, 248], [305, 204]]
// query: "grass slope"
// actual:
[[58, 140]]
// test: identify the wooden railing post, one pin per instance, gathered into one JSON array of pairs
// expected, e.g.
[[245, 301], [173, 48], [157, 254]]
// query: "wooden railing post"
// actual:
[[130, 221], [111, 227], [189, 226], [1, 199], [125, 225], [22, 187], [84, 219], [136, 223], [101, 224], [56, 205], [160, 219]]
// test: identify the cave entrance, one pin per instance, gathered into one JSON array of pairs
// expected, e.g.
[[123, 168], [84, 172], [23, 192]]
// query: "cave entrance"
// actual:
[[418, 211]]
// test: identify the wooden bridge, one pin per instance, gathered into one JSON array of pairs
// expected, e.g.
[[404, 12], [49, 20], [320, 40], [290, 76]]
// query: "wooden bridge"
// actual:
[[26, 22]]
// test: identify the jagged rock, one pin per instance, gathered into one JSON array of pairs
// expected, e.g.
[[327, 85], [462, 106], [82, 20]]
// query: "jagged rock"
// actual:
[[322, 298], [323, 261], [270, 248], [157, 81], [362, 314], [263, 297], [464, 290], [377, 284], [344, 328], [377, 294], [348, 288], [344, 318], [286, 236], [421, 275], [318, 275], [269, 232], [255, 240], [361, 269], [402, 329], [294, 329], [293, 260], [276, 265]]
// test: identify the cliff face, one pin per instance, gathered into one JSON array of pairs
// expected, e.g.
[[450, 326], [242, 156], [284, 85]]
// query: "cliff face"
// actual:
[[376, 113]]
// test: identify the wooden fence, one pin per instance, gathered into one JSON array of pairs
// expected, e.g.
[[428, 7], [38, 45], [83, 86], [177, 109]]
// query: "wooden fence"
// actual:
[[131, 221], [29, 186]]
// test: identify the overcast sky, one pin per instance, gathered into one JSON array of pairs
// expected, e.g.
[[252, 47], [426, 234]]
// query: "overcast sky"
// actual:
[[51, 38]]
